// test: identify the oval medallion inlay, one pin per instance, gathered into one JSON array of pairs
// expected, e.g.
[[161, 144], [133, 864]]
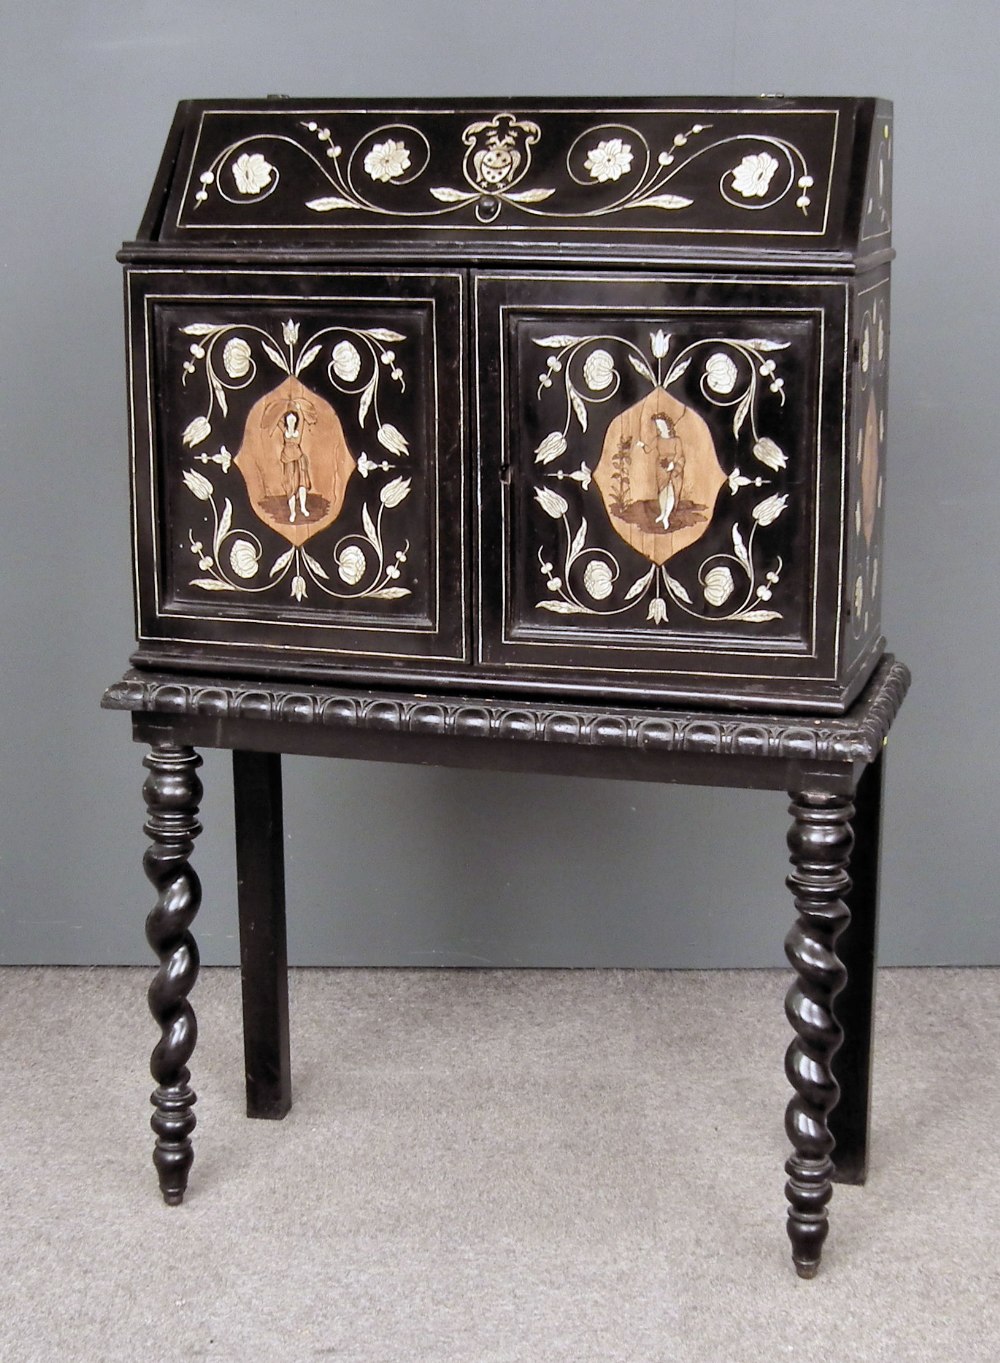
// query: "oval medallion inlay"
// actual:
[[295, 461], [659, 476]]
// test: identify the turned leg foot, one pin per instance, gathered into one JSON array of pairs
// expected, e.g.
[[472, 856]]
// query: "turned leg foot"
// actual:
[[172, 791], [820, 844]]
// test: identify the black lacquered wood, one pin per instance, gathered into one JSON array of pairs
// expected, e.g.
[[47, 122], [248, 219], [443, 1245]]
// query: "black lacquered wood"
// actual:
[[855, 1007], [820, 843], [172, 791], [823, 760], [762, 751], [260, 871]]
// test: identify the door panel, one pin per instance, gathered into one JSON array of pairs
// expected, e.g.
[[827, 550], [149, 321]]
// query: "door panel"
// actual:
[[293, 470], [656, 509]]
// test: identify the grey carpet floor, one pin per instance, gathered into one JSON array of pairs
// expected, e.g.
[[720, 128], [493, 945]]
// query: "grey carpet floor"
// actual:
[[493, 1167]]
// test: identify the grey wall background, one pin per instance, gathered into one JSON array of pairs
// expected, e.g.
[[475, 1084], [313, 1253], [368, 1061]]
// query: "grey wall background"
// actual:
[[394, 865]]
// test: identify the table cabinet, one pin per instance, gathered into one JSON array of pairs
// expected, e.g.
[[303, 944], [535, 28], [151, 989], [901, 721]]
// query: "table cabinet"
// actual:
[[541, 434], [544, 398]]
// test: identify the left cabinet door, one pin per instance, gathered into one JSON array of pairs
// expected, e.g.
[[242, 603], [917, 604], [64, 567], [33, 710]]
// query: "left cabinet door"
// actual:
[[298, 469]]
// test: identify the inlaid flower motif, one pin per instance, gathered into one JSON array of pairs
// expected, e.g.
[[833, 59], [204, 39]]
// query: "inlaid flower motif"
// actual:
[[859, 594], [598, 370], [387, 160], [236, 357], [598, 579], [609, 160], [196, 431], [252, 173], [769, 453], [198, 484], [720, 373], [657, 611], [753, 175], [351, 565], [290, 331], [660, 341], [244, 558], [198, 549], [395, 492], [866, 349], [770, 508], [551, 448], [299, 587], [346, 361], [718, 586], [551, 502], [392, 439]]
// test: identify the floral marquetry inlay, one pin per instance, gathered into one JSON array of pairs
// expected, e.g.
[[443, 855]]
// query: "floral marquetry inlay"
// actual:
[[295, 460], [869, 457], [659, 476], [510, 167], [870, 470]]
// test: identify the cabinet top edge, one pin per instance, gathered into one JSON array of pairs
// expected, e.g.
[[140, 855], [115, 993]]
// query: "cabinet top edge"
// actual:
[[529, 259], [796, 175]]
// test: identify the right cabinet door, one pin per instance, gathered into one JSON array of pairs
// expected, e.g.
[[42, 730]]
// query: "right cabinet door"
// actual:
[[661, 484]]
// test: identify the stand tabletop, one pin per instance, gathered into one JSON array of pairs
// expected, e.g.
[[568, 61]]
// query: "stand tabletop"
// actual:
[[712, 747]]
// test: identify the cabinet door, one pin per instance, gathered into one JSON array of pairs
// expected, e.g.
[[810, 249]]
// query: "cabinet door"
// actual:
[[662, 482], [297, 449]]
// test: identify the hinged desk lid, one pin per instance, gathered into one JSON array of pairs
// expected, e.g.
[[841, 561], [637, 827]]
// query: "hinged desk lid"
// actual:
[[666, 178]]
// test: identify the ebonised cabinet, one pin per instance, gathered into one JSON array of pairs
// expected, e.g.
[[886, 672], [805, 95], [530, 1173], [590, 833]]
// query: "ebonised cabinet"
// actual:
[[536, 397], [541, 435]]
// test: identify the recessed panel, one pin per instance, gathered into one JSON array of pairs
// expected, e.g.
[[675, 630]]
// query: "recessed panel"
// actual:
[[292, 470], [666, 477], [863, 585]]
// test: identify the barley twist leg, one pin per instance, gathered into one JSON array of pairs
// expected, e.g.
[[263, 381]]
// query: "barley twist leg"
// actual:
[[820, 843], [172, 791]]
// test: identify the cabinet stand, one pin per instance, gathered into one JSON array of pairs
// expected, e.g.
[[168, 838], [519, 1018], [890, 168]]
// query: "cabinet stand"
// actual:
[[832, 769]]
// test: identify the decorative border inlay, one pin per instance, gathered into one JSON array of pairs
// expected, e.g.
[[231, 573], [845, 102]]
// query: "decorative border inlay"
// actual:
[[424, 166], [857, 736], [497, 160]]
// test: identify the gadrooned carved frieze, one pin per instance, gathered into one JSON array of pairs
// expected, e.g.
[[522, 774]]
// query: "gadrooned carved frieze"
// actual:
[[857, 736]]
